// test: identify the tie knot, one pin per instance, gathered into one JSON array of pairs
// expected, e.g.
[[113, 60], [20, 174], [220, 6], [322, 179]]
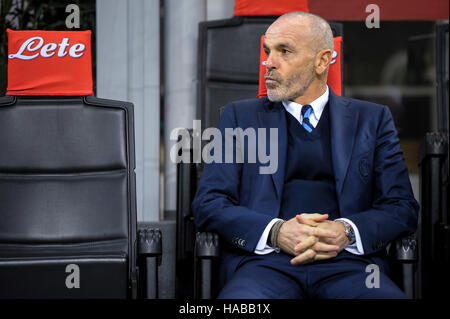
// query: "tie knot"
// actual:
[[306, 110]]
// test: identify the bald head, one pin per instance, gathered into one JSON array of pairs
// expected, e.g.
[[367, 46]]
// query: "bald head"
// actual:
[[317, 29]]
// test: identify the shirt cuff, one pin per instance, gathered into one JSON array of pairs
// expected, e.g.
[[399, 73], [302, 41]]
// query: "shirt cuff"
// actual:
[[356, 248], [262, 248]]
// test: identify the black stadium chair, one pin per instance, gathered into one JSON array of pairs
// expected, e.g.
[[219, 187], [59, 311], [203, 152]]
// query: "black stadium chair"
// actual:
[[402, 253], [227, 71], [67, 200], [434, 225]]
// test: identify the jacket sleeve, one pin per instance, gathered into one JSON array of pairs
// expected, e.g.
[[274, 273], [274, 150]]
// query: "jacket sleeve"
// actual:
[[216, 205], [394, 211]]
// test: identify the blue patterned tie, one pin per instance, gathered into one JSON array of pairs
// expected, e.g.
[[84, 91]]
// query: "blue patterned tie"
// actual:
[[306, 112]]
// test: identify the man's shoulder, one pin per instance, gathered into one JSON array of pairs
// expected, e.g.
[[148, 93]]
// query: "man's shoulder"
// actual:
[[363, 105], [248, 106]]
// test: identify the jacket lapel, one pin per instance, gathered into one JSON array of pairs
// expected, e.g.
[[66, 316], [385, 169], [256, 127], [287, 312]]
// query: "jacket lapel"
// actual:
[[343, 122], [273, 117]]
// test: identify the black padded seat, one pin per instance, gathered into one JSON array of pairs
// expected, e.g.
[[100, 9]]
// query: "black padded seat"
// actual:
[[67, 196], [101, 275]]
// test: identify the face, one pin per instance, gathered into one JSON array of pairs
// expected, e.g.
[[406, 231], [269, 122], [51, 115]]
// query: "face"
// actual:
[[290, 60]]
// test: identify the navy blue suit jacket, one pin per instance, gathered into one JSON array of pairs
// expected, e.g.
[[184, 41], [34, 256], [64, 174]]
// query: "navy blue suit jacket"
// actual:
[[372, 183]]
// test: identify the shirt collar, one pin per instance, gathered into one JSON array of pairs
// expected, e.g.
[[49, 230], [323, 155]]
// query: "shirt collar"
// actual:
[[317, 105]]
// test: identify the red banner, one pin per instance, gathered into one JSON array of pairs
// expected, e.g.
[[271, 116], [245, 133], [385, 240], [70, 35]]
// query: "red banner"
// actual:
[[49, 63], [389, 10], [268, 7], [334, 72]]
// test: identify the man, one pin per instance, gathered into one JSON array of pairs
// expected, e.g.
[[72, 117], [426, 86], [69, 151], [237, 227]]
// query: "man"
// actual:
[[340, 194]]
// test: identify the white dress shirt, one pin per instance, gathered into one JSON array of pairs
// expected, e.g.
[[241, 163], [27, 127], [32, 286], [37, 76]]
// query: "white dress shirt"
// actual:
[[293, 108]]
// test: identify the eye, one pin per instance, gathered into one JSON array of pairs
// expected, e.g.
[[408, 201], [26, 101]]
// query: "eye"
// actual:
[[285, 51]]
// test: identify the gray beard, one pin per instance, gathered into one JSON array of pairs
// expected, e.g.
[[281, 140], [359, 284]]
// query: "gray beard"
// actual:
[[282, 93]]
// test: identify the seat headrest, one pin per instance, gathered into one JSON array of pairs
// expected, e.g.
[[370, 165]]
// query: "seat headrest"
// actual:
[[268, 7], [49, 63]]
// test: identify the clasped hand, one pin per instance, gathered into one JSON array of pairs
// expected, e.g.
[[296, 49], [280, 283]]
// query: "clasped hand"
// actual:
[[311, 237]]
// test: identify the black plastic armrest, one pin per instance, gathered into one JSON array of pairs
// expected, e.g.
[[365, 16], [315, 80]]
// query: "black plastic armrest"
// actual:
[[207, 250], [150, 251], [404, 249], [404, 252]]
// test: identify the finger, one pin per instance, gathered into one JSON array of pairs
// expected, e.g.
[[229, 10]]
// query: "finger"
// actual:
[[310, 256], [315, 216], [321, 247], [305, 244], [306, 221], [322, 256], [311, 219], [304, 257], [327, 240], [320, 232]]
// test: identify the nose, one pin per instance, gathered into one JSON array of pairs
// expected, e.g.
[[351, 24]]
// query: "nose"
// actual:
[[270, 62]]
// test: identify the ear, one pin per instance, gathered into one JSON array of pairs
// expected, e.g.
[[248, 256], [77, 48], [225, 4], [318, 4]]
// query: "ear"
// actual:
[[323, 60]]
